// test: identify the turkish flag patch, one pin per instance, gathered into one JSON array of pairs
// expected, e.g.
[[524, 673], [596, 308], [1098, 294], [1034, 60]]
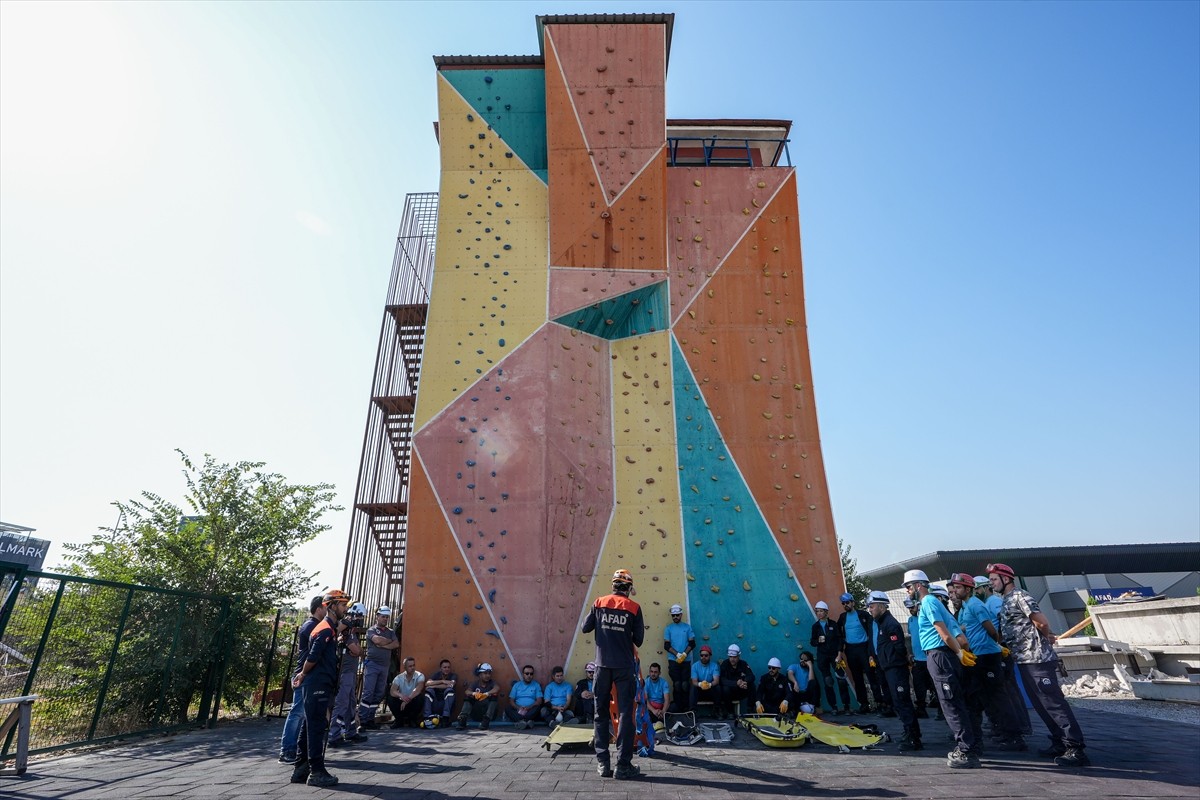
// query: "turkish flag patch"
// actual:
[[895, 638]]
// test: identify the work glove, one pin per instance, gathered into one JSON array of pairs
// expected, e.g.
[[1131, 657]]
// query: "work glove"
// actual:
[[783, 707], [967, 658], [681, 657], [1004, 651], [705, 685], [480, 695], [759, 707], [871, 661]]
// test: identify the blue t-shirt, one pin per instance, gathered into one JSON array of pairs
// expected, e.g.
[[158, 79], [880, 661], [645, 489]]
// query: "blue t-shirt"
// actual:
[[525, 693], [800, 672], [933, 611], [993, 603], [557, 694], [679, 634], [875, 634], [854, 629], [971, 617], [656, 691], [705, 672], [918, 651]]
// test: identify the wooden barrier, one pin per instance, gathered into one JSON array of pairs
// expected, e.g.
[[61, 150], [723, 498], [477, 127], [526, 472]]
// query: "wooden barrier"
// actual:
[[20, 717]]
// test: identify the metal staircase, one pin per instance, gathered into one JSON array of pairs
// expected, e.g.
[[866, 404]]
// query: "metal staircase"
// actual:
[[374, 570]]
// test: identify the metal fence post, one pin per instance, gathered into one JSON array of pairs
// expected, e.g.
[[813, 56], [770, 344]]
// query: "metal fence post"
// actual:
[[112, 659], [262, 706]]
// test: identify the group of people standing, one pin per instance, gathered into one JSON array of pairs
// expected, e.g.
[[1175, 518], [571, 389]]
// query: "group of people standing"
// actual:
[[971, 660], [968, 656]]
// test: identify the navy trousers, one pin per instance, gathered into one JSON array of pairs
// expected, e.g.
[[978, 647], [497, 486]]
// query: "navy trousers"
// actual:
[[605, 681], [1041, 682], [946, 673], [311, 746]]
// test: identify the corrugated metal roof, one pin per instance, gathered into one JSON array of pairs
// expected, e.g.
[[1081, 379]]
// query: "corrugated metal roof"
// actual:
[[606, 19], [730, 123], [1063, 560], [451, 62]]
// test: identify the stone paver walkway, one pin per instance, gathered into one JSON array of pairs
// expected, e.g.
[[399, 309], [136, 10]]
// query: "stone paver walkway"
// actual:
[[1132, 757]]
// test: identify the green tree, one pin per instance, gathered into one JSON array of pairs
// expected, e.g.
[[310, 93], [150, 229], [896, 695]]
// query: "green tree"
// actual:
[[236, 539], [854, 584]]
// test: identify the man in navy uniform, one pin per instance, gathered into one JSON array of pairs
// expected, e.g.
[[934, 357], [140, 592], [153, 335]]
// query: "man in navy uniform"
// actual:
[[620, 629]]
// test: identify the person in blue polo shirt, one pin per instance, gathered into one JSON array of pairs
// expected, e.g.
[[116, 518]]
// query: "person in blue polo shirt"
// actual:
[[557, 708], [679, 640], [946, 657], [526, 699], [706, 680], [984, 681], [658, 693], [921, 682], [853, 626]]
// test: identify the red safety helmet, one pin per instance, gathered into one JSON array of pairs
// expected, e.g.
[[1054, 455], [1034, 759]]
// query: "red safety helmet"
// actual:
[[1001, 569], [962, 579]]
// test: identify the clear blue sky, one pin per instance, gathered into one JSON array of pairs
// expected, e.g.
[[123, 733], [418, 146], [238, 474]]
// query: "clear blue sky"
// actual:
[[1000, 210]]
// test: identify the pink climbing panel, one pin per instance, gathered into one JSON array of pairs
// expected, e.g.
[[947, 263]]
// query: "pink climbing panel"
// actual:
[[709, 209], [617, 78], [499, 456], [572, 289]]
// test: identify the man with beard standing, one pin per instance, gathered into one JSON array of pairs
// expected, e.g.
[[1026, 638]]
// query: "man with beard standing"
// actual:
[[318, 675]]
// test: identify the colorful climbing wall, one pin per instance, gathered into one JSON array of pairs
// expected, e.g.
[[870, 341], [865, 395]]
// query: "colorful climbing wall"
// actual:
[[616, 374]]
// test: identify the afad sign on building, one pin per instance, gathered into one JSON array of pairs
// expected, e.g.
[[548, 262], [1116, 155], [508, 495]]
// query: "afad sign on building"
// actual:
[[18, 549]]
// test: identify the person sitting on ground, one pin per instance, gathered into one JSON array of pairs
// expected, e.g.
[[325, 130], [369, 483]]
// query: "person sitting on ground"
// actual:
[[526, 696], [773, 690], [706, 681], [737, 684], [558, 695], [485, 693], [406, 696], [803, 688], [439, 693], [585, 701], [658, 693]]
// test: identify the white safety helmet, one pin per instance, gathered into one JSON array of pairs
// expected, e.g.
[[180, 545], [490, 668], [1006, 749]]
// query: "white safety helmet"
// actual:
[[981, 580], [939, 591], [676, 609], [734, 650], [358, 608], [879, 597], [775, 662], [914, 575], [384, 611], [822, 604]]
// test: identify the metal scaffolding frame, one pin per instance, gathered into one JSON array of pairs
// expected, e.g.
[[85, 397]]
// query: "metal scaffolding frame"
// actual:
[[374, 571]]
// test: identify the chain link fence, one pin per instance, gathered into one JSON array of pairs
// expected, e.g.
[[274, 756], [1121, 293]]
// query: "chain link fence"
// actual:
[[109, 659]]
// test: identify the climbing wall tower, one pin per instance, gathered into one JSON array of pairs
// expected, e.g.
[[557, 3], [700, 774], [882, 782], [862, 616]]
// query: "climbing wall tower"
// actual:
[[615, 369]]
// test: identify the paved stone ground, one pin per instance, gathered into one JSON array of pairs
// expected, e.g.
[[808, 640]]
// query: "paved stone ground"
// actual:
[[1132, 757]]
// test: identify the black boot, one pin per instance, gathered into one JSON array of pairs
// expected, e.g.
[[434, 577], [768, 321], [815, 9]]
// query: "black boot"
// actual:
[[321, 777], [300, 772]]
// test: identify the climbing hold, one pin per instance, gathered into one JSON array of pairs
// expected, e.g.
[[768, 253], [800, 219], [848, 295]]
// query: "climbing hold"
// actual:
[[746, 585], [794, 597], [466, 619], [715, 589], [773, 621]]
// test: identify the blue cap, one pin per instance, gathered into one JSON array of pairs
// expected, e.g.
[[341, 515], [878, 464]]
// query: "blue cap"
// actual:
[[847, 597]]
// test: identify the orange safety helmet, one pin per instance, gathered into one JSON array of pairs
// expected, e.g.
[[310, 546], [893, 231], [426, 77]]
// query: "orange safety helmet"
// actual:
[[622, 576], [336, 596]]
